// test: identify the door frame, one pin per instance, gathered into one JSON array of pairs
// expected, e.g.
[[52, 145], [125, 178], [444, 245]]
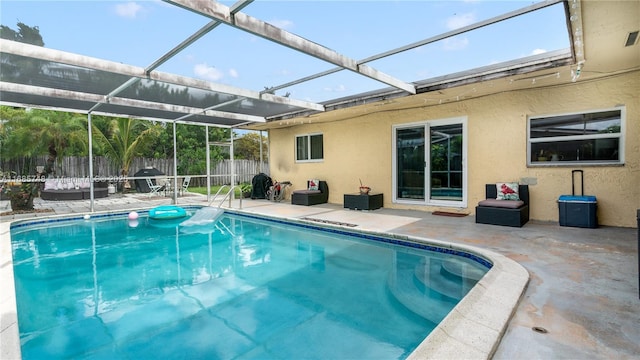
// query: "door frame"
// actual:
[[427, 124]]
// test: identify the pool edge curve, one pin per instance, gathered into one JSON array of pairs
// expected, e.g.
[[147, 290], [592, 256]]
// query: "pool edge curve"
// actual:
[[472, 330]]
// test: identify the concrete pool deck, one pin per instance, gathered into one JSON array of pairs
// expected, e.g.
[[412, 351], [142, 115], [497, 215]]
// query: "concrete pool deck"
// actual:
[[583, 286]]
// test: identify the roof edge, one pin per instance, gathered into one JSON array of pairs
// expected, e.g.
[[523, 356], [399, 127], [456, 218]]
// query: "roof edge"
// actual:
[[552, 59]]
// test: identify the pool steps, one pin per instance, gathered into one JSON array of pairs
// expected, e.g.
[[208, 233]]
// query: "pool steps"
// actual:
[[410, 286]]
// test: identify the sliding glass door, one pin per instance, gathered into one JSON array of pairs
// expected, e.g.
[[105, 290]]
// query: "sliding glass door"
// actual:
[[445, 170], [430, 169], [410, 163]]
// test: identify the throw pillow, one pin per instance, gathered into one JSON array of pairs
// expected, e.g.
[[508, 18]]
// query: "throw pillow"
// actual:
[[507, 191], [314, 184], [84, 184], [50, 185]]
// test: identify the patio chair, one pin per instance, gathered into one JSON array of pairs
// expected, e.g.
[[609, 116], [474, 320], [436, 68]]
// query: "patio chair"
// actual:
[[153, 188], [185, 185], [310, 196], [503, 212]]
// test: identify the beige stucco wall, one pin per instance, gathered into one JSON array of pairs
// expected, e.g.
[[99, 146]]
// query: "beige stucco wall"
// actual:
[[361, 148]]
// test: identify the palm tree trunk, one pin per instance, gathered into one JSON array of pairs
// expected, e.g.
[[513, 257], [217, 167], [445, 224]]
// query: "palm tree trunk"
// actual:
[[51, 159], [124, 173]]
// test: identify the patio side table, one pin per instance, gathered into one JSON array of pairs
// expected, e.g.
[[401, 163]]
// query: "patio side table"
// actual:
[[362, 201]]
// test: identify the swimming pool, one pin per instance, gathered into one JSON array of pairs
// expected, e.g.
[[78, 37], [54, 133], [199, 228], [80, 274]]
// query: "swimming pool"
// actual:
[[253, 265]]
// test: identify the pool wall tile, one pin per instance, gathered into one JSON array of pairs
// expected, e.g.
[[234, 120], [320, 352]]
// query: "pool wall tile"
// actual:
[[395, 240]]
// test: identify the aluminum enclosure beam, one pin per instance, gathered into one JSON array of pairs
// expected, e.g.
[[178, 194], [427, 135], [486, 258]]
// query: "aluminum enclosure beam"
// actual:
[[195, 36], [215, 10], [177, 49], [57, 56], [448, 34], [67, 94]]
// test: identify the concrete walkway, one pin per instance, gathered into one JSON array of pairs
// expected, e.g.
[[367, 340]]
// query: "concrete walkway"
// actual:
[[583, 287]]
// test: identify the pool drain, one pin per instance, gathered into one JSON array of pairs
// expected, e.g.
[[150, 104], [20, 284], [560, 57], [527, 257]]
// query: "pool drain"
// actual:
[[539, 329]]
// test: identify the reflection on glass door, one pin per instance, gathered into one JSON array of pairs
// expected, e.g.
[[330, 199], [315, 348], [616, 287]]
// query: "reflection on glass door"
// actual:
[[410, 155], [431, 169], [445, 167]]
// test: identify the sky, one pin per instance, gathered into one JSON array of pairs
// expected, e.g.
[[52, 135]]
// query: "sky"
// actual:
[[140, 32]]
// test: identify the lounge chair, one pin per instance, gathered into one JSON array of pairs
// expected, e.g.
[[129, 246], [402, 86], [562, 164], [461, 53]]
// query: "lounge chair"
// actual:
[[185, 185], [311, 197]]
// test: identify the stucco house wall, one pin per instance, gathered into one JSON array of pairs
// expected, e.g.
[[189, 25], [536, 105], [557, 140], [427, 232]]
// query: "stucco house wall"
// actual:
[[360, 147]]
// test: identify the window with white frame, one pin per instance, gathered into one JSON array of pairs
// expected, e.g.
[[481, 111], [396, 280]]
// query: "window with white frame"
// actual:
[[588, 138], [309, 148]]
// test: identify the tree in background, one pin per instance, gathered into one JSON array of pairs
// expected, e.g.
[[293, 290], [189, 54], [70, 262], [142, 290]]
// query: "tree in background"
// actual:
[[116, 140], [126, 139], [192, 152], [14, 68], [248, 147], [25, 34], [191, 148], [28, 133]]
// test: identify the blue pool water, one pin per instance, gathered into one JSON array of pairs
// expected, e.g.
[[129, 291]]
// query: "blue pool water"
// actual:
[[240, 288]]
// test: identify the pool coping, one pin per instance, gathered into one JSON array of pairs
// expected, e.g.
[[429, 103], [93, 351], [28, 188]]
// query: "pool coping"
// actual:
[[472, 330]]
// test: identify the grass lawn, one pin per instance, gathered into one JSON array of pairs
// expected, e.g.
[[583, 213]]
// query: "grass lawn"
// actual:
[[214, 189]]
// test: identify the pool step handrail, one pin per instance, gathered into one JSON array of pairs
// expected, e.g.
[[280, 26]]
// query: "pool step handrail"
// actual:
[[227, 196], [217, 193]]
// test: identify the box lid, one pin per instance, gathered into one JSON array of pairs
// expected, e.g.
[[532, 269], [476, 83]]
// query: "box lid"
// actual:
[[576, 198]]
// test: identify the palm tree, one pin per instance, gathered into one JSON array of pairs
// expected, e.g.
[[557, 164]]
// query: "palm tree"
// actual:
[[126, 139], [36, 132]]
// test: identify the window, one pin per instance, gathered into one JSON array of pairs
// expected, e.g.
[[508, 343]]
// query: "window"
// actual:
[[309, 147], [594, 138]]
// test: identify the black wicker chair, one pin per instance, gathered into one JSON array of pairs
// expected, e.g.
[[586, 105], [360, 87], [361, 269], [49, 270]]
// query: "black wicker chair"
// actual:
[[503, 212], [307, 197]]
